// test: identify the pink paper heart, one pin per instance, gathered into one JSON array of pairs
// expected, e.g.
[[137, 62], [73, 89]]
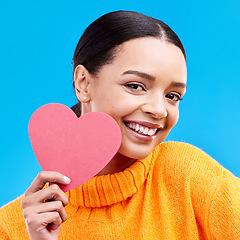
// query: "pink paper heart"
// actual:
[[76, 147]]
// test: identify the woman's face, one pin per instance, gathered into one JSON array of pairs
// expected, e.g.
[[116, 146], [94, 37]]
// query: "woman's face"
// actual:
[[141, 90]]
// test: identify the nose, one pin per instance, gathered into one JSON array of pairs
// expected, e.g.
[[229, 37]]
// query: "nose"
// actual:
[[155, 106]]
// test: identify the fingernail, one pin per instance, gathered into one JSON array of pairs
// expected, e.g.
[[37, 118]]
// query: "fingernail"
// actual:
[[66, 179]]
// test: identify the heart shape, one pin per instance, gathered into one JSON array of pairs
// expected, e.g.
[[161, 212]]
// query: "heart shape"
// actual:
[[76, 147]]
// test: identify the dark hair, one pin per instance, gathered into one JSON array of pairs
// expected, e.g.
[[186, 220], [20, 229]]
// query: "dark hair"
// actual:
[[99, 41]]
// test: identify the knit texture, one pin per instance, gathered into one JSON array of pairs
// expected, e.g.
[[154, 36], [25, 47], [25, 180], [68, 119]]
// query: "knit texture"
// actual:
[[177, 192]]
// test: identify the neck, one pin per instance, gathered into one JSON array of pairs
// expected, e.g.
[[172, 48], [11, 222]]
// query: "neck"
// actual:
[[118, 163]]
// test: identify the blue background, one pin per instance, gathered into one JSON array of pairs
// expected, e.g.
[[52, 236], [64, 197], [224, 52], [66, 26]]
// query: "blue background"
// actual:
[[37, 42]]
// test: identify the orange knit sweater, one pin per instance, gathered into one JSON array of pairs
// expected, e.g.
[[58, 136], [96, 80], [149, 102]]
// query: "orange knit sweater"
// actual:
[[177, 192]]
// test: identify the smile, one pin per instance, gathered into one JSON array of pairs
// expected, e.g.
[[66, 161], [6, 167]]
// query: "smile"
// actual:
[[141, 129]]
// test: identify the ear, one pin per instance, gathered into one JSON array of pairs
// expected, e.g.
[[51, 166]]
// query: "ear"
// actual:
[[81, 83]]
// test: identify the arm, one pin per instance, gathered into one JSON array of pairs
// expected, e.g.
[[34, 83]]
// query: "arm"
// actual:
[[224, 214], [3, 235]]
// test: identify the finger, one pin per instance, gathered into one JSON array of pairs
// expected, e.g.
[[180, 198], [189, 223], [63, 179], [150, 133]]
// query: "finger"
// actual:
[[40, 221], [50, 193], [55, 206], [53, 193], [45, 177], [54, 225]]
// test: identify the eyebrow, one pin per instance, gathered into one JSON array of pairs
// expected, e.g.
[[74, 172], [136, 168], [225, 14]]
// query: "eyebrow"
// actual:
[[179, 84], [152, 78], [140, 74]]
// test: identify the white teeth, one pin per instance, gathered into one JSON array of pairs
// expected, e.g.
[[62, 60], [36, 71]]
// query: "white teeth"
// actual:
[[142, 130], [151, 132], [145, 131]]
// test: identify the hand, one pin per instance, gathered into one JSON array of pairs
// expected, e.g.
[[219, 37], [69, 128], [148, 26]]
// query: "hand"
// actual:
[[43, 208]]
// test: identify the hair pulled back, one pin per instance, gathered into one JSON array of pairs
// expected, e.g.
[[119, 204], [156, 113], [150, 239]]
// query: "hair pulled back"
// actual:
[[97, 45]]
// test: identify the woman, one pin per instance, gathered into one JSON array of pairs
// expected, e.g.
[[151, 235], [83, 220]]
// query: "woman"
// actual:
[[132, 67]]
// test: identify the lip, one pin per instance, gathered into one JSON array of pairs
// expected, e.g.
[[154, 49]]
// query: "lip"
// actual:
[[146, 124], [141, 137]]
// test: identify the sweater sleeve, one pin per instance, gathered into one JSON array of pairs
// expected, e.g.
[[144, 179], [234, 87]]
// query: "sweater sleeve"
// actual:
[[3, 235], [12, 223], [224, 214], [214, 191]]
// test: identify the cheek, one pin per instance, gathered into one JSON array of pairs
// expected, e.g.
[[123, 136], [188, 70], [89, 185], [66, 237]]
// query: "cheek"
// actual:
[[173, 117], [112, 110]]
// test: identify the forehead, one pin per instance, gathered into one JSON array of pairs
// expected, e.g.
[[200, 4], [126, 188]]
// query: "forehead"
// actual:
[[151, 55]]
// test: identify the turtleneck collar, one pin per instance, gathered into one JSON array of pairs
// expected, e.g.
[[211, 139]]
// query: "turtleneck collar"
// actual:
[[108, 189]]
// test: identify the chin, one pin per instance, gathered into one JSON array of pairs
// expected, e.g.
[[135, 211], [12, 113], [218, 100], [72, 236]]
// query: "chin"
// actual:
[[135, 154], [139, 150]]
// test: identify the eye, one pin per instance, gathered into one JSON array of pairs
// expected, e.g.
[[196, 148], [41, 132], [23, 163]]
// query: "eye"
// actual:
[[135, 86], [174, 97]]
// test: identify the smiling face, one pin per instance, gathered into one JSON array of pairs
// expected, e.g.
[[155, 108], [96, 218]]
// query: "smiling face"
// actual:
[[141, 89]]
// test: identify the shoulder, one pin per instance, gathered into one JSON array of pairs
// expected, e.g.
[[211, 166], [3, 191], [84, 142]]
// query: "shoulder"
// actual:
[[181, 163], [12, 223], [14, 203], [213, 191], [186, 157], [13, 207], [181, 150]]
